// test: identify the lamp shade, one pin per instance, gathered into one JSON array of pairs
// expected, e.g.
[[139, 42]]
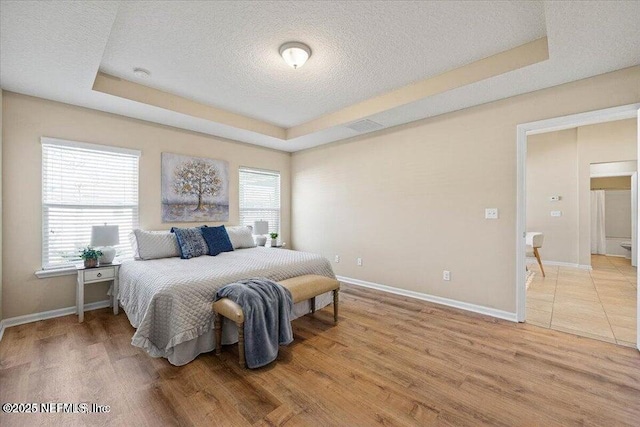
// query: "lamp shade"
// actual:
[[105, 235], [260, 227]]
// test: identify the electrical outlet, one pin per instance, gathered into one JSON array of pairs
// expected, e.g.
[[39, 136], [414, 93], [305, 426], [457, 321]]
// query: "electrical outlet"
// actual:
[[491, 213], [337, 258], [556, 213], [446, 275], [359, 262]]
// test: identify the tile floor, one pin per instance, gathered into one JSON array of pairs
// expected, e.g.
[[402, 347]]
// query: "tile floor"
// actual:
[[599, 304]]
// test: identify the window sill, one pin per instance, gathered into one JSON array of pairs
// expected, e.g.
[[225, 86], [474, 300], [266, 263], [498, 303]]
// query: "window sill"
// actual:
[[55, 272]]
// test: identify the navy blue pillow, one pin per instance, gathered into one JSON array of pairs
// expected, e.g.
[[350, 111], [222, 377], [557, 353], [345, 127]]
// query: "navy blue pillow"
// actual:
[[217, 239], [190, 242]]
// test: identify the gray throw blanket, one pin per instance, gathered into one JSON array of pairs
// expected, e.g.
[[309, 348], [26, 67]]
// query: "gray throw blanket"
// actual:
[[267, 310]]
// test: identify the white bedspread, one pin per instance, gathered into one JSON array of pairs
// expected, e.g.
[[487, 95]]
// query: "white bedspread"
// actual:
[[169, 300]]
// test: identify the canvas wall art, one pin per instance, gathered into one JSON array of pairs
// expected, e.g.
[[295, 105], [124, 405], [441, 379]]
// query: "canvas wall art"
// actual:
[[194, 189]]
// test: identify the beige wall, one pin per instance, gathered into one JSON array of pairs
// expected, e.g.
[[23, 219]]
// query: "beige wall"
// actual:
[[556, 165], [552, 170], [410, 200], [26, 119]]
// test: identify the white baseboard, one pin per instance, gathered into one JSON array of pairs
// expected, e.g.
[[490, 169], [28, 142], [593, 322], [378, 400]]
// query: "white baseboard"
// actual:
[[618, 256], [531, 260], [28, 318], [500, 314]]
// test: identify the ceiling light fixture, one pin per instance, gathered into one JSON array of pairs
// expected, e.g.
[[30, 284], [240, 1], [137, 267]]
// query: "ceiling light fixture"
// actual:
[[141, 73], [295, 53]]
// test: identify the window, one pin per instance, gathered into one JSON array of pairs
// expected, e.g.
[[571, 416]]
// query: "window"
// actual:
[[85, 185], [260, 198]]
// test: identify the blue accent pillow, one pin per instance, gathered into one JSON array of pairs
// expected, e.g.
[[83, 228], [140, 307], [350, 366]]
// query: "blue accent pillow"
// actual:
[[190, 242], [217, 239]]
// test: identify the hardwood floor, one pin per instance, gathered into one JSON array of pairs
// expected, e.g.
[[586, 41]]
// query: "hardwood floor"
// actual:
[[599, 304], [391, 361]]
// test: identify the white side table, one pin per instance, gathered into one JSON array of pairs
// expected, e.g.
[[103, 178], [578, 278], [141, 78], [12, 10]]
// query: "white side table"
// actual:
[[103, 273]]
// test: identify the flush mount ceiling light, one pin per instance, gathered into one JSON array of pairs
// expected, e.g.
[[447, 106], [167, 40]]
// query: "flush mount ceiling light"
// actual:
[[141, 73], [295, 53]]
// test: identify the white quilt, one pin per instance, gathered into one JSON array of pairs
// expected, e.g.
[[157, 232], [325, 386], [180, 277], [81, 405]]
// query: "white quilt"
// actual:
[[169, 300]]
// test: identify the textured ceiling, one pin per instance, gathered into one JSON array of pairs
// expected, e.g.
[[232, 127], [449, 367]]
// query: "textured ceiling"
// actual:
[[224, 54]]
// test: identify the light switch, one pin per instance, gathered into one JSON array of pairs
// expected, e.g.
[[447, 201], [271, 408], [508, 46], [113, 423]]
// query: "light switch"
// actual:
[[554, 198], [491, 213], [556, 213]]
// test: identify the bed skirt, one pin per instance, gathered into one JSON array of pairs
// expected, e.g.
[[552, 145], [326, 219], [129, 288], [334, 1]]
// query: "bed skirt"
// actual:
[[185, 352]]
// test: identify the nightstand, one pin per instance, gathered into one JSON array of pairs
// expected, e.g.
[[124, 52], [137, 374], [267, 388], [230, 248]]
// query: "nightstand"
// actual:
[[103, 273]]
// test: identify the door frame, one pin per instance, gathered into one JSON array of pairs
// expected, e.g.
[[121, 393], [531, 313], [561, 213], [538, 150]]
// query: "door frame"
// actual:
[[551, 125]]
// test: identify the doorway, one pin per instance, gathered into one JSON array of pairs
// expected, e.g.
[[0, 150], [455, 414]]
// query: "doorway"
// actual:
[[580, 268], [614, 209]]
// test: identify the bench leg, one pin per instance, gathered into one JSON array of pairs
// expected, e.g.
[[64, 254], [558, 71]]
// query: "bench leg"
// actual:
[[241, 359], [312, 301], [335, 305], [217, 322]]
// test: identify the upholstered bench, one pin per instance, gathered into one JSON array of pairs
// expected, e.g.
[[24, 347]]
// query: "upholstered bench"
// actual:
[[302, 288]]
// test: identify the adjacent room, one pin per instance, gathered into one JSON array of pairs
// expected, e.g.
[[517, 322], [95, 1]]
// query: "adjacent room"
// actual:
[[302, 213], [580, 217]]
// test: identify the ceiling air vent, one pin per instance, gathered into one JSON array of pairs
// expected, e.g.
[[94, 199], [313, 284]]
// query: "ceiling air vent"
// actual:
[[365, 125]]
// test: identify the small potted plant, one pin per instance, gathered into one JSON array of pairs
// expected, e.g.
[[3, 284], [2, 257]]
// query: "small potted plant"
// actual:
[[90, 256], [274, 239]]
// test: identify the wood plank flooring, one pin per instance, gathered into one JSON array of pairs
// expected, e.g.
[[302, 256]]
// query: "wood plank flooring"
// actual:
[[390, 361]]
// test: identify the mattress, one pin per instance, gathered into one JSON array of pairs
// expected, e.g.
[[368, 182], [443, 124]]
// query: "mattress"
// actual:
[[168, 300]]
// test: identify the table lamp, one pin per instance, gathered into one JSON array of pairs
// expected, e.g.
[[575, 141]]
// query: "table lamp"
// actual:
[[260, 228], [105, 237]]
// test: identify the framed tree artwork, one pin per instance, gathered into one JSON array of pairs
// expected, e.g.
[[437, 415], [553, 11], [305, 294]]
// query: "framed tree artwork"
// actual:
[[194, 189]]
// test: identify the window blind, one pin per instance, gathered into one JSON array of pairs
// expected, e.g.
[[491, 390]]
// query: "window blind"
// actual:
[[260, 198], [85, 185]]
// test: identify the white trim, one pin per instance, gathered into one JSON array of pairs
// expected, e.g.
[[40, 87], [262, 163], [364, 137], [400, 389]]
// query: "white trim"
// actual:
[[610, 174], [521, 226], [555, 124], [493, 312], [2, 327], [87, 146], [636, 236], [532, 260], [542, 126], [634, 217], [35, 317], [258, 171], [55, 272]]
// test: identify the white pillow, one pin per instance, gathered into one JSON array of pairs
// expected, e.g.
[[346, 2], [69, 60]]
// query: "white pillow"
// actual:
[[241, 237], [154, 244]]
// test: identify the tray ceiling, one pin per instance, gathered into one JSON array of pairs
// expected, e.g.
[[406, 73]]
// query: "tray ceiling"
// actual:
[[224, 57]]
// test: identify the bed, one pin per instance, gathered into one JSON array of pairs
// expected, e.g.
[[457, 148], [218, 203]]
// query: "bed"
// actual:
[[168, 300]]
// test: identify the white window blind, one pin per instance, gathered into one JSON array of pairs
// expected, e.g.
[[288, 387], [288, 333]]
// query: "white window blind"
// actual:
[[260, 198], [85, 185]]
